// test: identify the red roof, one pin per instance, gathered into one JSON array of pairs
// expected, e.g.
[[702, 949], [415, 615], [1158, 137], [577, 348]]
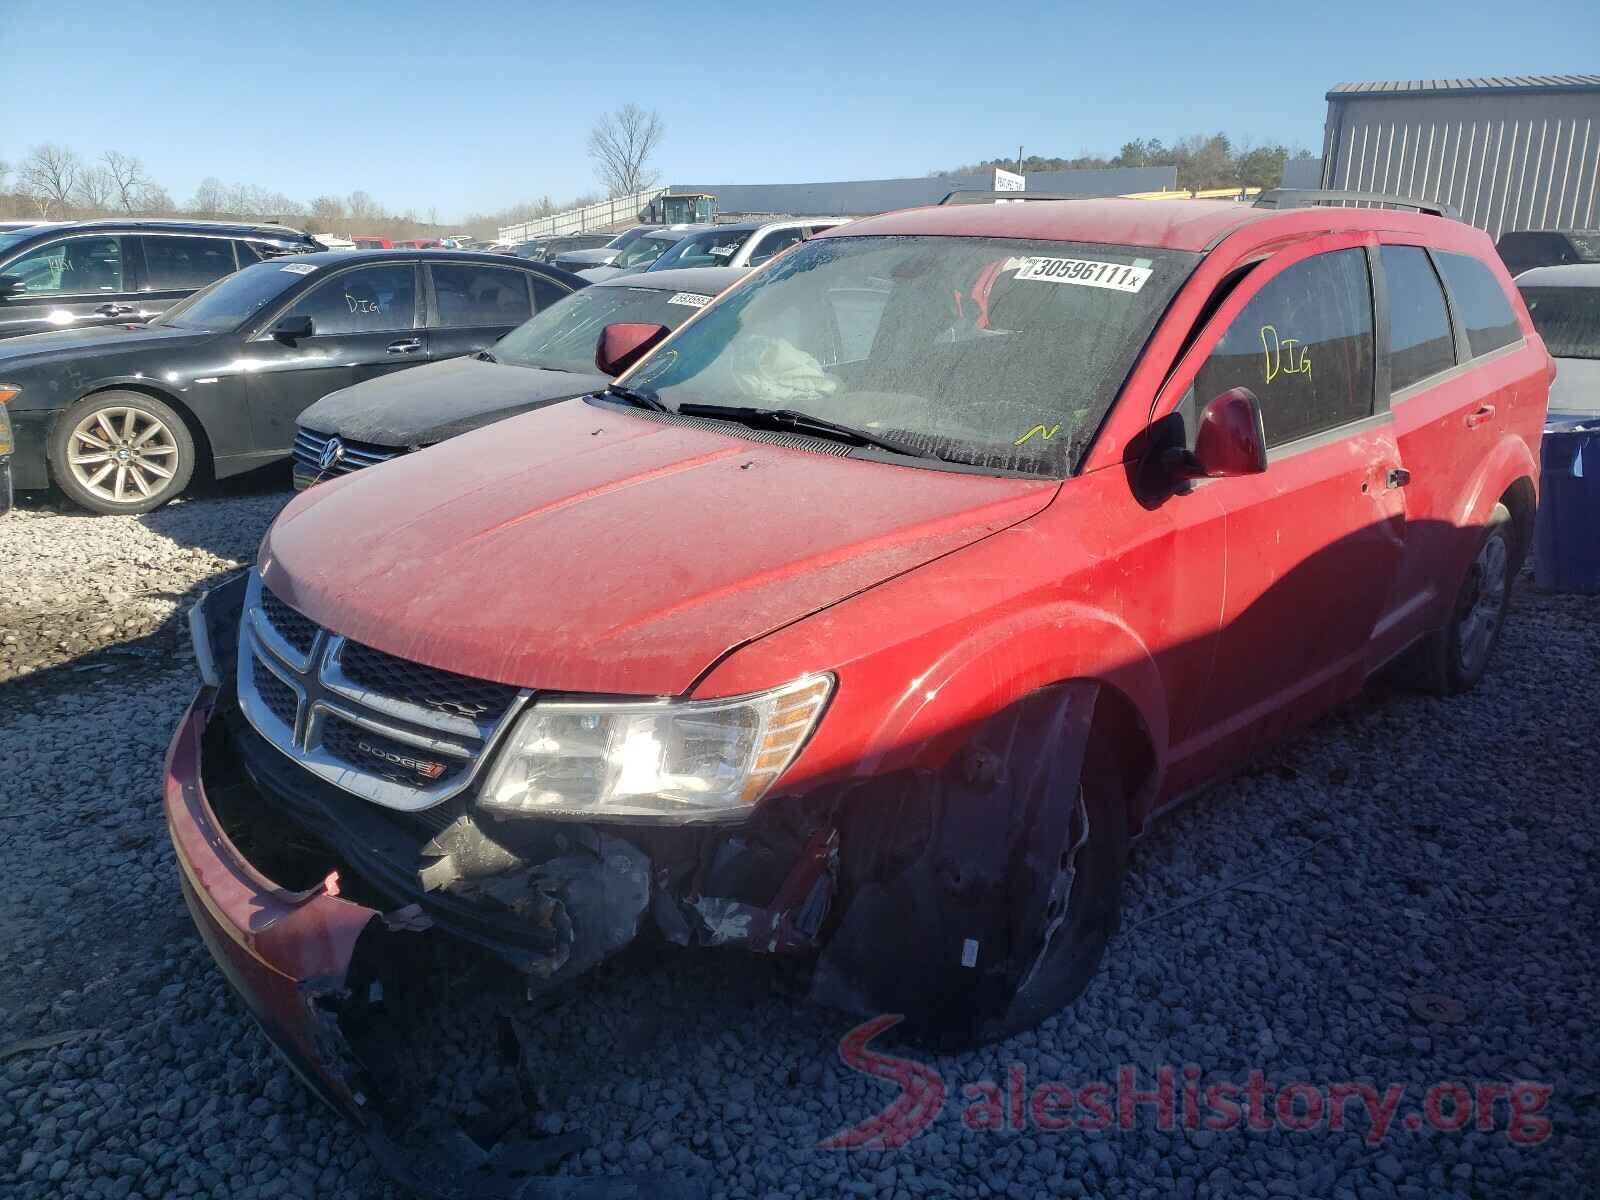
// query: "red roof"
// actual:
[[1174, 224], [1168, 224]]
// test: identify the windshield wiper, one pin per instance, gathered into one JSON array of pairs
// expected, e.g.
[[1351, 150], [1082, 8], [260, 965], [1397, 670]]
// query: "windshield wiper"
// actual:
[[636, 397], [801, 422]]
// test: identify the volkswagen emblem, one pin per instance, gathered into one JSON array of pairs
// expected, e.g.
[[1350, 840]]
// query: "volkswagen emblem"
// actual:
[[332, 454]]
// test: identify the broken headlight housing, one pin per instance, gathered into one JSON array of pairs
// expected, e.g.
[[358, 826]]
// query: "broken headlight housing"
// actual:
[[669, 761]]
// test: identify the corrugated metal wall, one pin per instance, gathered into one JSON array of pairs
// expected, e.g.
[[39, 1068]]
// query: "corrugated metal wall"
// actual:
[[1516, 161]]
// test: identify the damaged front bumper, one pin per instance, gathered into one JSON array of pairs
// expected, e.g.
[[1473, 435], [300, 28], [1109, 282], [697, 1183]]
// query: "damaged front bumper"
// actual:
[[314, 967]]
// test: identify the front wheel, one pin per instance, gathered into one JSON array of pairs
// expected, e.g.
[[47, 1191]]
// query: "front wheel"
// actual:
[[121, 452], [1453, 659]]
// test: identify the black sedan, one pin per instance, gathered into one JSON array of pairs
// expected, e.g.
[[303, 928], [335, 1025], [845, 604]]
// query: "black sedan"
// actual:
[[552, 357], [121, 416]]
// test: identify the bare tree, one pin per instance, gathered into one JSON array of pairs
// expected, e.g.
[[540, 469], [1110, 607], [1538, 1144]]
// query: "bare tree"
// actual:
[[620, 144], [362, 207], [48, 176], [130, 185], [209, 197], [154, 201], [5, 170], [95, 190]]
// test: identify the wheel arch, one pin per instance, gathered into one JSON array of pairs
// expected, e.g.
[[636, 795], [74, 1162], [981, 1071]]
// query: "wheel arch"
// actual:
[[204, 455], [1521, 499]]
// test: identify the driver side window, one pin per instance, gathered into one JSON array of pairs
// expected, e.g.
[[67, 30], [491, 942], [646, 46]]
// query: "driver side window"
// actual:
[[84, 266], [378, 299], [1304, 346]]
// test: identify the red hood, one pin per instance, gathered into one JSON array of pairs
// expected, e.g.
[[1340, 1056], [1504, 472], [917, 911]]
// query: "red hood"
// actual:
[[585, 549]]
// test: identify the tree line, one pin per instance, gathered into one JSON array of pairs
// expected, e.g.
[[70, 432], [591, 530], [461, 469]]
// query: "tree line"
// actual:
[[55, 183], [1203, 161]]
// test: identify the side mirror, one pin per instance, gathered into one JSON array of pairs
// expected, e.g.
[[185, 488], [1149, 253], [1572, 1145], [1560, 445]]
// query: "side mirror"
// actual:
[[624, 344], [1231, 440], [291, 329]]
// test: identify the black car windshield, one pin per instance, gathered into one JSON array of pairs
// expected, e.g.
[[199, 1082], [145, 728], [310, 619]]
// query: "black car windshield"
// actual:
[[234, 299], [713, 248], [996, 352], [645, 251], [16, 237], [563, 337], [1567, 318]]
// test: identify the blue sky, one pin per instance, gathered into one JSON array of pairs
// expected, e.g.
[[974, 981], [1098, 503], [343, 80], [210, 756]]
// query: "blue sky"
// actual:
[[477, 105]]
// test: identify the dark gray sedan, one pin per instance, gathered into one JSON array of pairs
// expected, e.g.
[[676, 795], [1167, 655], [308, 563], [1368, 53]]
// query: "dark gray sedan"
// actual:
[[549, 359]]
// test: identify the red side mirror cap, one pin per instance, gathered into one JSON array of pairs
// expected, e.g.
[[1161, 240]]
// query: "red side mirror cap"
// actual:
[[1232, 439], [624, 344]]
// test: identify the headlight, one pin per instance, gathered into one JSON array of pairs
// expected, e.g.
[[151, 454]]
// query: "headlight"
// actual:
[[667, 761]]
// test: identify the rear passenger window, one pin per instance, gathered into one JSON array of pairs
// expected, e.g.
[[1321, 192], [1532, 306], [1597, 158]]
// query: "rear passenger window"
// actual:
[[1480, 304], [546, 292], [1420, 340], [469, 295], [1304, 346], [185, 263]]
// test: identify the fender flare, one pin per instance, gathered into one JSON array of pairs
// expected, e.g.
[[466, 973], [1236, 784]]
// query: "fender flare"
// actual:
[[1508, 461], [1011, 657]]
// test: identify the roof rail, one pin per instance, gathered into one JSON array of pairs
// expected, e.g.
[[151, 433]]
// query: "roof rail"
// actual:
[[980, 196], [1311, 197]]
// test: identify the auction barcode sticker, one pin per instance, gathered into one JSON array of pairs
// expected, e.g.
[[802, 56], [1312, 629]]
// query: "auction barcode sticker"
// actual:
[[1086, 273], [297, 268], [692, 299]]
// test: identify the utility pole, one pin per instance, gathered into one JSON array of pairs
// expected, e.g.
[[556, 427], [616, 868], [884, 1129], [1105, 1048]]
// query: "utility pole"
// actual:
[[1019, 160]]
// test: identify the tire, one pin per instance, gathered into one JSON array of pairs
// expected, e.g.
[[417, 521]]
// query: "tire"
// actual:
[[121, 452], [1451, 660], [1083, 921]]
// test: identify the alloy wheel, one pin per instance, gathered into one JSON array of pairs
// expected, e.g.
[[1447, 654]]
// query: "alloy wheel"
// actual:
[[122, 454]]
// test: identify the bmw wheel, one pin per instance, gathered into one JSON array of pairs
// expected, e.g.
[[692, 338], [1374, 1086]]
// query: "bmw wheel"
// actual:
[[121, 452]]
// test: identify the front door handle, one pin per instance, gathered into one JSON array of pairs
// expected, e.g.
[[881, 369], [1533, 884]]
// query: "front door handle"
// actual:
[[1483, 413], [115, 310], [1398, 477], [405, 346]]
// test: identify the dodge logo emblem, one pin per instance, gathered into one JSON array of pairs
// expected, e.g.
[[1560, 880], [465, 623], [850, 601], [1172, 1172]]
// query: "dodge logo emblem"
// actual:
[[331, 454]]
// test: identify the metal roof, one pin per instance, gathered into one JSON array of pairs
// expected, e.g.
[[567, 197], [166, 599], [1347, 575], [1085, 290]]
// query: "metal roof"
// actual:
[[1385, 88]]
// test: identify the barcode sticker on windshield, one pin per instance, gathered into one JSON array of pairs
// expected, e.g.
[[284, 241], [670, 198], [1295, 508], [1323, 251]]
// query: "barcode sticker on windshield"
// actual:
[[692, 299], [1085, 272], [297, 268]]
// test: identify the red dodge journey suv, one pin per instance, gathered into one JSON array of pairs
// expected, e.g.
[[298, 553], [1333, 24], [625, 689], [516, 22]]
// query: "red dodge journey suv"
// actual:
[[867, 617]]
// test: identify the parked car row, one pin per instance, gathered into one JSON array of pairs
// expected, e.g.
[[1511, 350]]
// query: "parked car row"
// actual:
[[121, 416], [864, 617]]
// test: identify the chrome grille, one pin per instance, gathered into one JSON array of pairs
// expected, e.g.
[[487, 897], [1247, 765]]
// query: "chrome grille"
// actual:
[[395, 732], [309, 445]]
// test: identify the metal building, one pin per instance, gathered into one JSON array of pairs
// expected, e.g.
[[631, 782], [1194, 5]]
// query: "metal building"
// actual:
[[1509, 152]]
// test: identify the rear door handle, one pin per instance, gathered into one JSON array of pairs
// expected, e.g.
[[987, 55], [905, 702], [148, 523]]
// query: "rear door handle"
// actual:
[[1398, 477], [115, 310], [405, 346], [1484, 412]]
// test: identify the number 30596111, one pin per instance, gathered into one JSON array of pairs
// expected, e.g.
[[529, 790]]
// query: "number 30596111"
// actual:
[[1085, 272]]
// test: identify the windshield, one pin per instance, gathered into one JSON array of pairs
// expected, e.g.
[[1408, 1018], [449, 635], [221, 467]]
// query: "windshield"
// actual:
[[644, 251], [563, 336], [1567, 318], [990, 351], [627, 237], [713, 248], [1585, 246], [234, 299], [16, 236]]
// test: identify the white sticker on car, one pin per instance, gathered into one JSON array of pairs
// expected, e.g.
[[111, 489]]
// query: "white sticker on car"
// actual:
[[1086, 273], [298, 268], [692, 299]]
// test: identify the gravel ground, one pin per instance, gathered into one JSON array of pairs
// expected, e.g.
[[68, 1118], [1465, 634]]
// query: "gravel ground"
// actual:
[[1291, 920]]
